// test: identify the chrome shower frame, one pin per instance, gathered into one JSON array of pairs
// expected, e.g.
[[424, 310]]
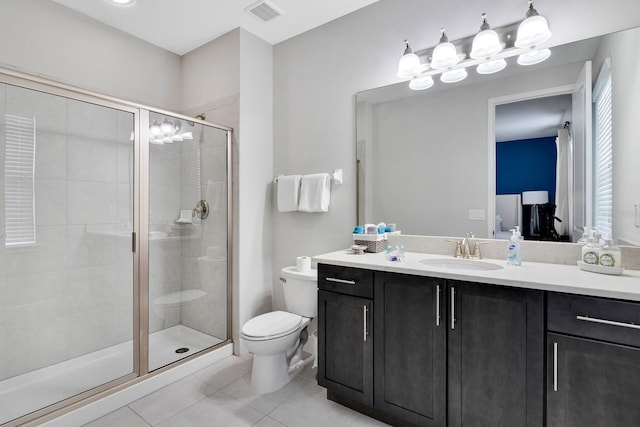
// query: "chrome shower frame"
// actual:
[[140, 239]]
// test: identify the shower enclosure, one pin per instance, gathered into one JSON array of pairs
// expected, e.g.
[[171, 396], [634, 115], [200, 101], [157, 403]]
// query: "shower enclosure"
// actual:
[[114, 243]]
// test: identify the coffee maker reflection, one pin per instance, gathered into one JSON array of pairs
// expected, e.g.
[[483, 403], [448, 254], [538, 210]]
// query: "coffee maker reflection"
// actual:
[[538, 216]]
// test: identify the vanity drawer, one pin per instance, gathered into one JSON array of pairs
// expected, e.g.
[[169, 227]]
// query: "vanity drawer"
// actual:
[[598, 318], [345, 280]]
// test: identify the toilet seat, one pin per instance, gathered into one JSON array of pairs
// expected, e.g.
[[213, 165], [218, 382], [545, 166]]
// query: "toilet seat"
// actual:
[[271, 325]]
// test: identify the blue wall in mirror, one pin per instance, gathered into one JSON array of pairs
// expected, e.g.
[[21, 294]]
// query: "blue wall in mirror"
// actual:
[[526, 165]]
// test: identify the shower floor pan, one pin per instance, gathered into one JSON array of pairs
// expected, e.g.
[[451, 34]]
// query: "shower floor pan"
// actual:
[[34, 390]]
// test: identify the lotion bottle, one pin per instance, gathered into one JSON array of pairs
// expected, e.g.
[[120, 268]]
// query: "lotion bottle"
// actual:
[[514, 257]]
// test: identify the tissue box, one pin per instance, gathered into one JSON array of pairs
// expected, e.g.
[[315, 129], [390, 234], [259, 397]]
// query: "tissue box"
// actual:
[[373, 242]]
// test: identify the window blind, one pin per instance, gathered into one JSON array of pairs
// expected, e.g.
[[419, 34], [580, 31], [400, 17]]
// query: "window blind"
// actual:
[[19, 171], [602, 156]]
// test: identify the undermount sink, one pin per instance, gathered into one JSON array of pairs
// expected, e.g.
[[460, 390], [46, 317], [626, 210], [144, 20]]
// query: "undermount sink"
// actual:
[[461, 264]]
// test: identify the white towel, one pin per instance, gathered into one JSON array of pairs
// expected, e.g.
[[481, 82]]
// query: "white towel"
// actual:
[[288, 189], [315, 193]]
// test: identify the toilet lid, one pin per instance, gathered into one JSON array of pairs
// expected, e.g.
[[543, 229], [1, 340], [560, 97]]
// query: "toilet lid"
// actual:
[[271, 325]]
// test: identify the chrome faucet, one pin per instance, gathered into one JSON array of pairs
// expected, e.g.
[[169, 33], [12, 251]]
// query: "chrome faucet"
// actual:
[[465, 248], [466, 251], [462, 247]]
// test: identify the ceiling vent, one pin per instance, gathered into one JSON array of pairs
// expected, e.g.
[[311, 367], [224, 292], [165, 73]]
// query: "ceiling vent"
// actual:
[[263, 10]]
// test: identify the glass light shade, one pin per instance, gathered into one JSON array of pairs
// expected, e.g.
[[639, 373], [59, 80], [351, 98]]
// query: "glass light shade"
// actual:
[[454, 76], [532, 31], [409, 66], [421, 83], [187, 135], [155, 129], [122, 2], [534, 57], [485, 44], [444, 56], [167, 127], [491, 66]]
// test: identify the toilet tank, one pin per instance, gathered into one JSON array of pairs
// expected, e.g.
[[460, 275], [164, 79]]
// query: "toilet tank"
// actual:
[[300, 291]]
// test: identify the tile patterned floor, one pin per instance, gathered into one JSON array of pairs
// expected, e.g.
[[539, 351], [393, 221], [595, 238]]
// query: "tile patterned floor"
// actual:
[[221, 395]]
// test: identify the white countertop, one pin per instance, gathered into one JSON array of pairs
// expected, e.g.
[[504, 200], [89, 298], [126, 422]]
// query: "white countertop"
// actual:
[[532, 275]]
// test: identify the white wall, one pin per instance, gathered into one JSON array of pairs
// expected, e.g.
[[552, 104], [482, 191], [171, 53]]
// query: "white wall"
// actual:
[[231, 80], [255, 177], [318, 73], [43, 38]]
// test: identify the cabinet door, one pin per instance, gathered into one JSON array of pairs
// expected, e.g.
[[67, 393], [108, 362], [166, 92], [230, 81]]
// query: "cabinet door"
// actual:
[[496, 356], [592, 383], [345, 346], [410, 352]]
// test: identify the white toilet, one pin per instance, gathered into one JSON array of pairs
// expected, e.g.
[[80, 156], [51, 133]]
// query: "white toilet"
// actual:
[[276, 338]]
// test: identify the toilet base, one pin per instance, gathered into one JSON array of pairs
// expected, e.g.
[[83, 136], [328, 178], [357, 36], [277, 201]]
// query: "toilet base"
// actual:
[[270, 373]]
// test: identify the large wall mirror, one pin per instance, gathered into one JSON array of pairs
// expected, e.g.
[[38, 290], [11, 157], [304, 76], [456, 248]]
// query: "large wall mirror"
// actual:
[[432, 161]]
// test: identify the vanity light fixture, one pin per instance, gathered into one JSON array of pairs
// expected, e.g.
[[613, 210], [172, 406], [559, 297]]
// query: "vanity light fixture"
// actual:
[[444, 54], [454, 76], [421, 83], [167, 132], [122, 2], [409, 64], [491, 66], [486, 51], [533, 30], [534, 57], [486, 43]]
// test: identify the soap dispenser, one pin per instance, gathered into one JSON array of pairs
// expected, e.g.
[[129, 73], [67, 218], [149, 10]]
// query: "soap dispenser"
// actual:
[[590, 252], [610, 254], [514, 257]]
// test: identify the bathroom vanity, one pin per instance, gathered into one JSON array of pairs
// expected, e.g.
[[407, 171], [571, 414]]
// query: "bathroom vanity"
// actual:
[[430, 343]]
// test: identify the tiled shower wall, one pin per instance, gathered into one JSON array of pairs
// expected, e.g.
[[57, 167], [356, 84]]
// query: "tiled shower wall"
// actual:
[[72, 292]]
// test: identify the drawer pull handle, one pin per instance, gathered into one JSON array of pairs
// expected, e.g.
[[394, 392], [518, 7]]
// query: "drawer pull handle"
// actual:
[[555, 366], [344, 282], [608, 322], [453, 308], [364, 316], [437, 305]]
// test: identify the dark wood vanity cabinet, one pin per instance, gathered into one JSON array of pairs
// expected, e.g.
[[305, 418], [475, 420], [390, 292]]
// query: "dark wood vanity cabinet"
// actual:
[[495, 356], [593, 360], [409, 366], [445, 353], [345, 339]]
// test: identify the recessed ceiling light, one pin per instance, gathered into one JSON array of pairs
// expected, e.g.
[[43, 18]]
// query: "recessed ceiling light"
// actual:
[[122, 2]]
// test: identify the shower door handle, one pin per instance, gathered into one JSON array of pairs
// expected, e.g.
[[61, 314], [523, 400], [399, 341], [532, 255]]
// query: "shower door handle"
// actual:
[[202, 209], [133, 242]]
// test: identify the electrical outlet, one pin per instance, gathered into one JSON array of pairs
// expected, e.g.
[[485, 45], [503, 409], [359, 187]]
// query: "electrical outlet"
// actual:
[[476, 214]]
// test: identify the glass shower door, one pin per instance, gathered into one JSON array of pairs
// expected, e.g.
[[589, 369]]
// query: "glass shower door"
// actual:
[[187, 238], [66, 264]]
